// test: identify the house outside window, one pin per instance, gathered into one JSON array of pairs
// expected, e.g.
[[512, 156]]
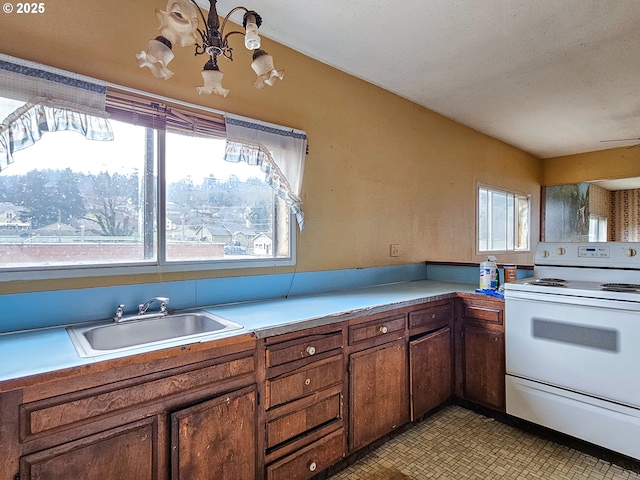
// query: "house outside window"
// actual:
[[158, 196], [502, 220]]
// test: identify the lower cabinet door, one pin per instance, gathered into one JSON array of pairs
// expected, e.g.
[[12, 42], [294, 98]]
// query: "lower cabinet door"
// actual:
[[121, 453], [379, 400], [484, 368], [431, 371], [216, 439], [309, 461]]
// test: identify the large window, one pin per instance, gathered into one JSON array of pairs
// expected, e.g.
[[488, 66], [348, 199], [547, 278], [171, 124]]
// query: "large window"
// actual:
[[159, 196], [503, 220]]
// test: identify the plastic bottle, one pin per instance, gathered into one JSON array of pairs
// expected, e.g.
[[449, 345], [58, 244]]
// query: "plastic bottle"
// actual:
[[488, 274]]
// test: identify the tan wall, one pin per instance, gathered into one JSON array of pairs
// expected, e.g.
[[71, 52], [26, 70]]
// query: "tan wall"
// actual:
[[380, 170], [585, 167]]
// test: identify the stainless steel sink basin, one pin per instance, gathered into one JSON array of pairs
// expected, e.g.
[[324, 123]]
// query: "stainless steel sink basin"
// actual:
[[109, 337]]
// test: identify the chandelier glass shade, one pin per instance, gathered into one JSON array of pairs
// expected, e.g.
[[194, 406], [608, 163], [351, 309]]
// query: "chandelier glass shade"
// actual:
[[178, 25]]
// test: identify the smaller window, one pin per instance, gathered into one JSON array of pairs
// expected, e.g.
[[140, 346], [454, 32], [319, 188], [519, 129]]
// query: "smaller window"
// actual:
[[503, 220], [597, 228]]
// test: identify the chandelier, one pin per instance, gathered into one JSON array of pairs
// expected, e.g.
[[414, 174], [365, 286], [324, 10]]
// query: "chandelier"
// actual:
[[179, 26]]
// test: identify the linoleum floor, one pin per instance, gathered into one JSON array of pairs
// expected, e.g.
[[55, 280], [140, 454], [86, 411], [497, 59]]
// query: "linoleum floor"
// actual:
[[459, 444]]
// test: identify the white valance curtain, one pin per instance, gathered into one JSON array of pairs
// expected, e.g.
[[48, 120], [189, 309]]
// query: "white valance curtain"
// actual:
[[280, 153], [55, 100]]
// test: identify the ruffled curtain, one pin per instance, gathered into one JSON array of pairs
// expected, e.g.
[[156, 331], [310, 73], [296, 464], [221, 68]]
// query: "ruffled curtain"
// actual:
[[55, 100], [279, 153]]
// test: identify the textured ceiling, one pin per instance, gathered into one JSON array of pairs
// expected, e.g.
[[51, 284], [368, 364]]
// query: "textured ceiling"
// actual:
[[549, 77]]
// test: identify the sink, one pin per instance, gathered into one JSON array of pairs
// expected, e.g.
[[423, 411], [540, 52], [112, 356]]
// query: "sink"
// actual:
[[109, 337]]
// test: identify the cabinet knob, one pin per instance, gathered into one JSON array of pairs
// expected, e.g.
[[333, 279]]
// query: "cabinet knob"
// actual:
[[383, 330], [311, 350], [313, 466], [433, 315], [307, 381]]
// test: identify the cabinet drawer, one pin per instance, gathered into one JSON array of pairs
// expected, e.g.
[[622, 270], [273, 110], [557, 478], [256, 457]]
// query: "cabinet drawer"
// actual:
[[431, 318], [376, 328], [307, 462], [304, 420], [483, 313], [302, 348], [304, 381]]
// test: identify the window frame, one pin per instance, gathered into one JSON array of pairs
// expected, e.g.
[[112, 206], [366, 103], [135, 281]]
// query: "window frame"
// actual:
[[515, 196], [160, 264]]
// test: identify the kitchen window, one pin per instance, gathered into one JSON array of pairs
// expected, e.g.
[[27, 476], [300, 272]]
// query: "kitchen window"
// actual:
[[161, 196], [503, 220]]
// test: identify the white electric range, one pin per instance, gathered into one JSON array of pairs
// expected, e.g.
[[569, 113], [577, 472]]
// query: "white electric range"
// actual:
[[573, 343]]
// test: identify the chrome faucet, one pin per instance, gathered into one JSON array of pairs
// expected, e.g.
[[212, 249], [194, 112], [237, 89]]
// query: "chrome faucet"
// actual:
[[143, 307]]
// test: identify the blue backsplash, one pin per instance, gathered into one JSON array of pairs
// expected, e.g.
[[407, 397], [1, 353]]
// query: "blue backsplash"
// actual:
[[25, 311]]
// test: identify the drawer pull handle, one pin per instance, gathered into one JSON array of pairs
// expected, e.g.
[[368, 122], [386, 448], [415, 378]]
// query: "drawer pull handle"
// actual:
[[384, 329], [311, 350], [313, 466], [307, 381]]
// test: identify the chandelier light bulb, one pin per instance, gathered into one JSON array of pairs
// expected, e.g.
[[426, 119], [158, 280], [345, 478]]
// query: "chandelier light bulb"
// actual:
[[251, 37]]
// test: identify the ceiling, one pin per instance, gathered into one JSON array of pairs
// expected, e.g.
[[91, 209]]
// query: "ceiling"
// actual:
[[549, 77]]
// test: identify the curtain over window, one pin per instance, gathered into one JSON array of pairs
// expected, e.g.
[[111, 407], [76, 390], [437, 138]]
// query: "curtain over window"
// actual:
[[54, 100], [260, 144]]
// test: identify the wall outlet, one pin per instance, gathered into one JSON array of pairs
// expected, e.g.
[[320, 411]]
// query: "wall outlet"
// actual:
[[395, 250]]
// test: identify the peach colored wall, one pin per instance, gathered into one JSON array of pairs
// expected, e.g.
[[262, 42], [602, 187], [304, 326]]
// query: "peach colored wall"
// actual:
[[584, 167], [380, 169]]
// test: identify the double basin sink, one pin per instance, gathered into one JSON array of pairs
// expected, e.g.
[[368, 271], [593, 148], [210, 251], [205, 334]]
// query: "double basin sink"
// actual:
[[102, 338]]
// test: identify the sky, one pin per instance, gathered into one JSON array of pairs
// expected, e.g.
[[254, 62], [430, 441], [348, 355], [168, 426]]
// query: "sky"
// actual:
[[187, 156]]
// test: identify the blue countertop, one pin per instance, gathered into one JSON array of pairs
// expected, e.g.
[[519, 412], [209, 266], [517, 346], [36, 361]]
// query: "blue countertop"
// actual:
[[39, 351]]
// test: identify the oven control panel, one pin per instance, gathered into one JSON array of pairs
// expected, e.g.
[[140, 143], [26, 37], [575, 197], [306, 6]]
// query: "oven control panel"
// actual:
[[594, 252], [589, 254]]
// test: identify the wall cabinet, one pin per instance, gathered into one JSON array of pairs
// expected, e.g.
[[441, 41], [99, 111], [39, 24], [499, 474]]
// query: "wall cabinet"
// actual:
[[480, 352]]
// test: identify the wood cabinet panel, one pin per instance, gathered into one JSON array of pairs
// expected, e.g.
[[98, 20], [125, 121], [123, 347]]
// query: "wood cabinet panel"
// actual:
[[216, 439], [52, 413], [483, 313], [378, 328], [298, 422], [302, 348], [431, 367], [304, 381], [431, 318], [379, 393], [125, 452], [308, 461], [484, 366]]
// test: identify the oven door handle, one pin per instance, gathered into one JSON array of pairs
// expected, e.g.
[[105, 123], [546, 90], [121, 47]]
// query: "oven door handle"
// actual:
[[511, 296]]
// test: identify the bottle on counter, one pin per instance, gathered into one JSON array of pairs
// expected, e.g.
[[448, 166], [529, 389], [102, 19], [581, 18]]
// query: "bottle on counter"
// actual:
[[488, 279]]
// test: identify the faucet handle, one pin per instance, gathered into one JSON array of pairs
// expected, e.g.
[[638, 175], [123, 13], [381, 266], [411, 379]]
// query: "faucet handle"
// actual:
[[164, 301], [119, 313]]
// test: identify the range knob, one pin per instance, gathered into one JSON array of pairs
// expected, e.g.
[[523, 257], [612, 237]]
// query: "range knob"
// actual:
[[630, 252], [545, 254], [561, 251]]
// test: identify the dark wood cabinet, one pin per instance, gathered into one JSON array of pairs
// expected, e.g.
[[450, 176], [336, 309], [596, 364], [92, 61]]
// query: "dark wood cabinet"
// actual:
[[304, 423], [480, 352], [166, 414], [430, 356], [378, 392], [431, 367], [283, 407], [129, 451], [215, 439]]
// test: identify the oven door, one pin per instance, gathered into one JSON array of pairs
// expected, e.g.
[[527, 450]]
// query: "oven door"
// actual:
[[585, 345]]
